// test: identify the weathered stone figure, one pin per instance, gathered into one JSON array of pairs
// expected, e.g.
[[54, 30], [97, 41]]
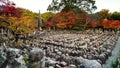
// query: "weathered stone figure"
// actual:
[[36, 58], [12, 59], [2, 56]]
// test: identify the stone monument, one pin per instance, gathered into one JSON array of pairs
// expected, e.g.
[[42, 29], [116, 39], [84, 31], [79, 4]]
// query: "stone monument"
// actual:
[[39, 22]]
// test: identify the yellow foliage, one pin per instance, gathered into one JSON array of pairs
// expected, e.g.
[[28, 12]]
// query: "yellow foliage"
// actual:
[[46, 16], [24, 25], [24, 22]]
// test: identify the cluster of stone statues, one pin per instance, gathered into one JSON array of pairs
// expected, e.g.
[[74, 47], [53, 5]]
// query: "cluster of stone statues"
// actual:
[[60, 49], [16, 58]]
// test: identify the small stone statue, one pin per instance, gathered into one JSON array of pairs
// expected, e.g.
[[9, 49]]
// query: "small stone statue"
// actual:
[[2, 56], [13, 59], [91, 64], [36, 58]]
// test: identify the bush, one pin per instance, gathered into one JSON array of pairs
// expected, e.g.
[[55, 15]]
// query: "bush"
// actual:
[[115, 16], [76, 28]]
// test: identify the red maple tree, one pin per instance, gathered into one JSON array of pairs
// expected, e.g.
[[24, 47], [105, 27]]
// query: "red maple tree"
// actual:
[[7, 7]]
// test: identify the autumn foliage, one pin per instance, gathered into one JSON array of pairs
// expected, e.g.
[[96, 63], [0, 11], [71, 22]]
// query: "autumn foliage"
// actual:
[[47, 16], [19, 20], [65, 19], [111, 24], [7, 7], [94, 23], [23, 21]]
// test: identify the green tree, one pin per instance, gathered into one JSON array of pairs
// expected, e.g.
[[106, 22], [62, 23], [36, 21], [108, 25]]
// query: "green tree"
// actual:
[[103, 14], [115, 16], [66, 5]]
